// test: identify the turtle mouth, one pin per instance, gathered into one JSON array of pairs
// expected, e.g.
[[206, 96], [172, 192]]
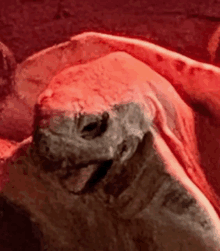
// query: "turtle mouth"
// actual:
[[112, 174], [85, 178]]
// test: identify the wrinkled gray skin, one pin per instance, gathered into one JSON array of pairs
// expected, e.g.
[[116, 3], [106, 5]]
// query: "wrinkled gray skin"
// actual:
[[127, 201], [89, 141], [106, 188]]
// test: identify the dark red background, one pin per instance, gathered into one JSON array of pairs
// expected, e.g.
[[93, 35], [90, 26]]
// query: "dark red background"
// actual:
[[27, 26]]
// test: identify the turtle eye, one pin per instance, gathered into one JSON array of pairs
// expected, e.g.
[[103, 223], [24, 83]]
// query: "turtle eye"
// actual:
[[94, 127], [90, 127], [91, 130]]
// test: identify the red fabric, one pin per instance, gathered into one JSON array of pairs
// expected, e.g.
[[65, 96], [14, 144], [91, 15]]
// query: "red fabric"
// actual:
[[190, 133]]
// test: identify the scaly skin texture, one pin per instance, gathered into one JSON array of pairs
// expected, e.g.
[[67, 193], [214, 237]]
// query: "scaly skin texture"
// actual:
[[135, 206], [146, 147]]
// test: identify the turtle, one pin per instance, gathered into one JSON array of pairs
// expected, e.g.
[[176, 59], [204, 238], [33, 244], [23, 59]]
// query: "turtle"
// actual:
[[110, 136]]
